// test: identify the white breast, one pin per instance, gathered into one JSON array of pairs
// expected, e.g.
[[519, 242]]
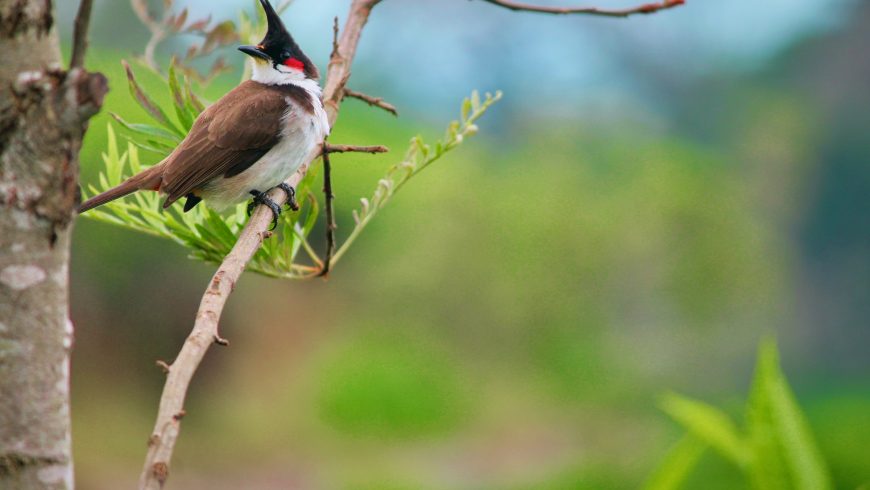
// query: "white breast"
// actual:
[[302, 132]]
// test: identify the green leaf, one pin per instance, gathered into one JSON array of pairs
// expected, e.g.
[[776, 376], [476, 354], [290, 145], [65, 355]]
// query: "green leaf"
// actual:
[[419, 156], [291, 242], [112, 143], [270, 246], [220, 228], [154, 219], [311, 219], [211, 239], [146, 129], [190, 100], [104, 182], [149, 146], [709, 424], [151, 107], [786, 455], [179, 229], [677, 465], [114, 163], [178, 97], [135, 166]]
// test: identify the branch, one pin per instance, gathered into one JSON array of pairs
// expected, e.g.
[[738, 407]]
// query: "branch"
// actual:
[[80, 34], [355, 149], [648, 8], [158, 31], [205, 329], [328, 198], [372, 101]]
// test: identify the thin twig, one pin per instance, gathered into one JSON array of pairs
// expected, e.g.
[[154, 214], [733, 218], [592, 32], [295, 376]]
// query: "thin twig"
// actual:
[[648, 8], [166, 429], [355, 149], [372, 101], [163, 365], [334, 52], [328, 197], [157, 28], [80, 34]]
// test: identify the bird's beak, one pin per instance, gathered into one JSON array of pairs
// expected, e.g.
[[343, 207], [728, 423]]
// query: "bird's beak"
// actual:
[[254, 51]]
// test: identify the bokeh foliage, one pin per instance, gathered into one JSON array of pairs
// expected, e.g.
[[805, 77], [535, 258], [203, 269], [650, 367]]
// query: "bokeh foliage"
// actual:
[[776, 450]]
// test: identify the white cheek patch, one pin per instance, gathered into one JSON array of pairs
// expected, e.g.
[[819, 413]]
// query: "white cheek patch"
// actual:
[[287, 69], [276, 74]]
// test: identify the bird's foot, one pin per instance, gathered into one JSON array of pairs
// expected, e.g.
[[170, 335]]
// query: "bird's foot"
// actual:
[[291, 195], [262, 198]]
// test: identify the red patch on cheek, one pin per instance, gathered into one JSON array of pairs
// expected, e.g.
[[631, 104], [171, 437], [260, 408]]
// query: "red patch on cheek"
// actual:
[[294, 63]]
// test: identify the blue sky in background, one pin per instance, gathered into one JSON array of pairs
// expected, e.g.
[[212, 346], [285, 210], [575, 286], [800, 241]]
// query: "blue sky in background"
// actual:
[[428, 54]]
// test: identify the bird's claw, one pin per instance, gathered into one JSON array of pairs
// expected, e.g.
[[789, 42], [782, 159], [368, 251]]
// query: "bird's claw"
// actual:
[[291, 195], [262, 198]]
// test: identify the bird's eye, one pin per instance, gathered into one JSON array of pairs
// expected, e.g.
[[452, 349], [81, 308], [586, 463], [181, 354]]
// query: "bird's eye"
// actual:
[[285, 54]]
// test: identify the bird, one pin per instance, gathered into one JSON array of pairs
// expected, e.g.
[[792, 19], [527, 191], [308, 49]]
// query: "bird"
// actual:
[[250, 140]]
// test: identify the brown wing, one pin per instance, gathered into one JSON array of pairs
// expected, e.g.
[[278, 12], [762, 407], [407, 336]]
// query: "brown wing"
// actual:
[[226, 139]]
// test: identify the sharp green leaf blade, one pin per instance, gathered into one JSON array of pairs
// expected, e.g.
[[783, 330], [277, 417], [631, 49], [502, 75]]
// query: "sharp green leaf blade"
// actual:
[[210, 243], [219, 227], [178, 229], [311, 219], [146, 129], [290, 241], [151, 107], [180, 104], [194, 105], [112, 158], [156, 149], [135, 165]]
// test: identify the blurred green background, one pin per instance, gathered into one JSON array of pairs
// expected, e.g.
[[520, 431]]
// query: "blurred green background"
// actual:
[[510, 320]]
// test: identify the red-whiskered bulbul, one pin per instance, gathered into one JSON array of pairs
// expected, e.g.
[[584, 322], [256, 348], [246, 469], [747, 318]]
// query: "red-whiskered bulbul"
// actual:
[[250, 140]]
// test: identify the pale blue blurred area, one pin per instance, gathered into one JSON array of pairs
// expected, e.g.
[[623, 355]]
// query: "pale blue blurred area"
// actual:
[[428, 54]]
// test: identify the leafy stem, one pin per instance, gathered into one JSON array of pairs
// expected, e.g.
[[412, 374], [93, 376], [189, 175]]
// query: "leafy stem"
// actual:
[[419, 156], [208, 235]]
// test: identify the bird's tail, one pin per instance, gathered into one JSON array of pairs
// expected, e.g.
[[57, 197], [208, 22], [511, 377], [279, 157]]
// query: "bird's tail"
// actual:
[[147, 179]]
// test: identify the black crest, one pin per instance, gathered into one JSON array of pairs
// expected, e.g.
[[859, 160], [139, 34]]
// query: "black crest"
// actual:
[[279, 45]]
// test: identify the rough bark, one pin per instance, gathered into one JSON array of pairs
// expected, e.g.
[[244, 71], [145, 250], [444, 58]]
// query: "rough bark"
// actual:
[[43, 115]]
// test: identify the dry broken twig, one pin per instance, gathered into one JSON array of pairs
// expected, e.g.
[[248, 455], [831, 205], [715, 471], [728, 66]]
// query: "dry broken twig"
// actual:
[[80, 34], [372, 101], [647, 8], [356, 149]]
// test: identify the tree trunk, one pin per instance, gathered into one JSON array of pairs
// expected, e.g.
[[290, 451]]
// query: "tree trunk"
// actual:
[[43, 115]]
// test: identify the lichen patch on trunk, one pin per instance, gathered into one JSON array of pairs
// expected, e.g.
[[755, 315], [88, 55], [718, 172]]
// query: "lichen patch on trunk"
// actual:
[[20, 277]]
